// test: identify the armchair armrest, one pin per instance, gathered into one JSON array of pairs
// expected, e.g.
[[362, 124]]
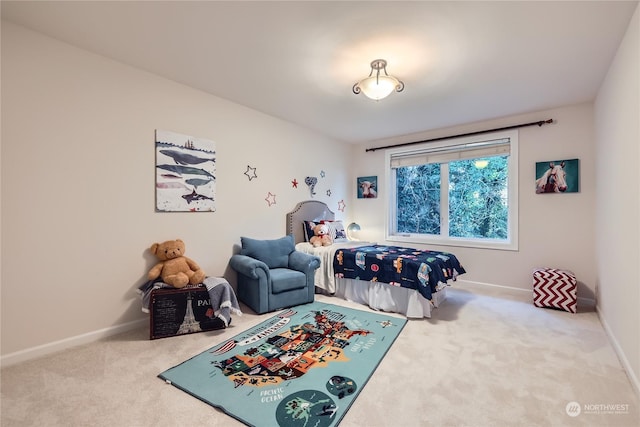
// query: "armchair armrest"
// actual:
[[248, 266], [303, 262]]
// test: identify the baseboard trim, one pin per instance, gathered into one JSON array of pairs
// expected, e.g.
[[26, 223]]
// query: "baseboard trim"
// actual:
[[583, 301], [635, 383], [53, 347], [473, 282]]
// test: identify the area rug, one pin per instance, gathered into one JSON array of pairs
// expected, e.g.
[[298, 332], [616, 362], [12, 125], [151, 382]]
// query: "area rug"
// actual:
[[303, 367]]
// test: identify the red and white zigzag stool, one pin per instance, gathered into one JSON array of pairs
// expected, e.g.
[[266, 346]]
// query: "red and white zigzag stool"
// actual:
[[555, 288]]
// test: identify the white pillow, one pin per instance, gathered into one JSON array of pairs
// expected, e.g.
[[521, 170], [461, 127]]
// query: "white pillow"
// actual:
[[337, 231]]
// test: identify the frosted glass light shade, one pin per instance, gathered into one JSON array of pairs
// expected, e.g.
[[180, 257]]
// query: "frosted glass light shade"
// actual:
[[379, 84], [481, 163], [378, 87], [353, 230]]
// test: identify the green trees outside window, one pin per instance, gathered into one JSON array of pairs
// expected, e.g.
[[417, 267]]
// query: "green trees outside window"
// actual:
[[477, 198], [460, 192]]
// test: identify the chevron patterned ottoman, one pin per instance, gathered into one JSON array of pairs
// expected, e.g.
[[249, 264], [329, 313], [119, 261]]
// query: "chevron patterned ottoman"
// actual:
[[555, 288]]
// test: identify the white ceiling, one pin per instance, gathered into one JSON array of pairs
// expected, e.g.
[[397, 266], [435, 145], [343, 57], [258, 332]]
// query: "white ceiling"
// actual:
[[461, 62]]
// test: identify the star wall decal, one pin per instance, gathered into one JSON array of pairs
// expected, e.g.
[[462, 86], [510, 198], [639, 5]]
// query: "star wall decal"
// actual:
[[294, 183], [251, 173], [271, 199], [329, 192], [322, 174], [341, 205]]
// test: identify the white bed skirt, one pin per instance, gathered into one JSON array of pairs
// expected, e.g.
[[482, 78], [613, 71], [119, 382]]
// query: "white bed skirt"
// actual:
[[383, 297]]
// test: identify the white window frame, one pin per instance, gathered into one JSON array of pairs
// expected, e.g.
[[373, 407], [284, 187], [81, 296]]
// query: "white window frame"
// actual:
[[511, 243]]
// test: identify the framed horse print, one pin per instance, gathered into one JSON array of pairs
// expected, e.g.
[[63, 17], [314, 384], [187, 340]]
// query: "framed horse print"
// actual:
[[558, 176]]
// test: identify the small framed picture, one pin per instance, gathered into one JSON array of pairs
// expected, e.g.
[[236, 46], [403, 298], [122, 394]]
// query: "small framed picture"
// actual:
[[558, 176], [367, 187]]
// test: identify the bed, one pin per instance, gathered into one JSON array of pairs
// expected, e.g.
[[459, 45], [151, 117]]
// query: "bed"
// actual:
[[387, 278]]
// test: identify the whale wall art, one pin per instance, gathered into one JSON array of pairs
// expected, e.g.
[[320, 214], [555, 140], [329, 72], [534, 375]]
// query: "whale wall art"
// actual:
[[185, 173]]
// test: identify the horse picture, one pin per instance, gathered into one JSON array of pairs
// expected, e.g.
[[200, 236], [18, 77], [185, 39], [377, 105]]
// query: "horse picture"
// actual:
[[557, 176]]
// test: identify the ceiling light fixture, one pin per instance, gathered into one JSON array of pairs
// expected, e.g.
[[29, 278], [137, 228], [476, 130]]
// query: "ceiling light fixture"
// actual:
[[378, 86], [481, 163]]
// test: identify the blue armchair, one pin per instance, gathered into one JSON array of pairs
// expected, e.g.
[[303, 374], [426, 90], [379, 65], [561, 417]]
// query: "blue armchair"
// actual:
[[272, 275]]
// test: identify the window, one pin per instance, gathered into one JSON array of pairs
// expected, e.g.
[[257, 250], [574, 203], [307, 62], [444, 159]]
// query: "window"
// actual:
[[460, 192]]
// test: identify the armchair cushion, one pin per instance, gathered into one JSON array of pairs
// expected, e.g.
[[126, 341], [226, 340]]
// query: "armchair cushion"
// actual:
[[285, 280], [274, 253]]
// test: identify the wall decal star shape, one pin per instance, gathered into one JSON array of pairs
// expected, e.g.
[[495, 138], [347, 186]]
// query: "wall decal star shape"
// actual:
[[329, 193], [271, 199], [322, 174], [294, 183], [341, 205], [251, 173]]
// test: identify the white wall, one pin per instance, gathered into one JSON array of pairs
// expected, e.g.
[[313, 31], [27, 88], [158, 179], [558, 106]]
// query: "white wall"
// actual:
[[78, 185], [555, 230], [617, 112]]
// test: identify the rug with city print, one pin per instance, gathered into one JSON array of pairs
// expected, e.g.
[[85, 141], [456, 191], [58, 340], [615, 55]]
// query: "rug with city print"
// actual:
[[304, 366]]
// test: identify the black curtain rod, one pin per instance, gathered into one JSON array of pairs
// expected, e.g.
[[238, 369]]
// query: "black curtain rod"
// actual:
[[539, 123]]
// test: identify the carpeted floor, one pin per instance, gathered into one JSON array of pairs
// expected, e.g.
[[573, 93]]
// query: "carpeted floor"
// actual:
[[488, 357]]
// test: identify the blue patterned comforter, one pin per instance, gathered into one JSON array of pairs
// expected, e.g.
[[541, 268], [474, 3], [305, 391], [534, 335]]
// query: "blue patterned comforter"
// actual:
[[399, 266]]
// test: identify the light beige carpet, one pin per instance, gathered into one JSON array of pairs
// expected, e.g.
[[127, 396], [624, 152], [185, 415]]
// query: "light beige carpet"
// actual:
[[487, 357]]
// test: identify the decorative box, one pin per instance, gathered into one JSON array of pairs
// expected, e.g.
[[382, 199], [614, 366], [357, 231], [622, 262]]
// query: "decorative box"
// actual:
[[178, 311], [555, 288]]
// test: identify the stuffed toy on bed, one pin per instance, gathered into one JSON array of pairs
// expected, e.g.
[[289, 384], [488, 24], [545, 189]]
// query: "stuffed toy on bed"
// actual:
[[174, 268], [321, 236]]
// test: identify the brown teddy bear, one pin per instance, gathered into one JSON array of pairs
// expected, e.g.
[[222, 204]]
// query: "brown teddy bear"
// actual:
[[174, 268], [321, 235]]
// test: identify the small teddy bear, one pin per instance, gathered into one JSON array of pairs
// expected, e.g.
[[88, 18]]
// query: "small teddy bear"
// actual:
[[321, 235], [174, 268]]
